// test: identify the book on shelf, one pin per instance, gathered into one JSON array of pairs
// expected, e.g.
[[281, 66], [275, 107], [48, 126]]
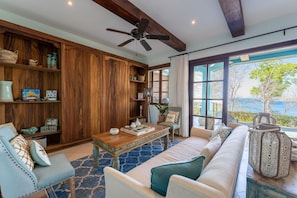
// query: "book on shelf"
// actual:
[[140, 130]]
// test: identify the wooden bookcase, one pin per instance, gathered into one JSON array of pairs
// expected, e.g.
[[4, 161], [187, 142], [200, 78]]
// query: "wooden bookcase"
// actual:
[[137, 86], [25, 114]]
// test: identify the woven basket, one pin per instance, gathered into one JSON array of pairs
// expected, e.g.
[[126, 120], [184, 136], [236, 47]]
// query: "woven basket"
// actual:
[[270, 152], [7, 56]]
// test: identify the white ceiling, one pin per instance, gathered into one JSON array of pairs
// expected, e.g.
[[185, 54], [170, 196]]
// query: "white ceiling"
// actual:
[[88, 20]]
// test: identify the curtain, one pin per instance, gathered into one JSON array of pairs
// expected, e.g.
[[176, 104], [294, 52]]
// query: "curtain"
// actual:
[[178, 89]]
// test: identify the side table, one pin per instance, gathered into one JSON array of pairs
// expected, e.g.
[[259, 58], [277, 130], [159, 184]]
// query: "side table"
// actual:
[[260, 186]]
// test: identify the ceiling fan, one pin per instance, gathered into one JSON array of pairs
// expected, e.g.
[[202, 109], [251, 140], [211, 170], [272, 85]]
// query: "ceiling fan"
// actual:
[[139, 33]]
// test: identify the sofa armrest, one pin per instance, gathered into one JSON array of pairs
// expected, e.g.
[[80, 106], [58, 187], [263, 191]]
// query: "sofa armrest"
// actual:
[[204, 133], [180, 186], [118, 184]]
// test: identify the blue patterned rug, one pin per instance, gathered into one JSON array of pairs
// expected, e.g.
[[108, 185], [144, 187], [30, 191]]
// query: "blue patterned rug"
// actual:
[[89, 181]]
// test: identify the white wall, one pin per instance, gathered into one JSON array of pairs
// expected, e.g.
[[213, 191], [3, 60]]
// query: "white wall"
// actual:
[[269, 26], [13, 18]]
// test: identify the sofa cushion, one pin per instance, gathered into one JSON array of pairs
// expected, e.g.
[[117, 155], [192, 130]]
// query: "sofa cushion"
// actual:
[[38, 154], [21, 147], [160, 175], [222, 131], [211, 148]]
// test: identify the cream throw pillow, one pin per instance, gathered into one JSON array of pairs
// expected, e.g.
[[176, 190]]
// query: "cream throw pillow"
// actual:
[[170, 117], [21, 146], [176, 115], [211, 148]]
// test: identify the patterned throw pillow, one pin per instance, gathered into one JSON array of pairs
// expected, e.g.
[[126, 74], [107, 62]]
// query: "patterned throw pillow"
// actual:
[[21, 146], [176, 115], [170, 117], [222, 131], [39, 155]]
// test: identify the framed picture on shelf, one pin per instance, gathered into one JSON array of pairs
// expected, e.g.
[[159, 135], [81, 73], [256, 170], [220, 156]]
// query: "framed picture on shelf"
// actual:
[[51, 94], [140, 96]]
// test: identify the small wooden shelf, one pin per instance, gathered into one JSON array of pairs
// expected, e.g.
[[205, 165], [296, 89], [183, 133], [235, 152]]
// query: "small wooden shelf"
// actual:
[[135, 117], [39, 134], [137, 81], [29, 67], [137, 100], [30, 102]]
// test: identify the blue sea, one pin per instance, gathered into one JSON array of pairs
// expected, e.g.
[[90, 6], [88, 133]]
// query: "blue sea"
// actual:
[[255, 105]]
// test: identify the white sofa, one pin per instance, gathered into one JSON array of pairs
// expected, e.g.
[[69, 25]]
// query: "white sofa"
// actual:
[[218, 178]]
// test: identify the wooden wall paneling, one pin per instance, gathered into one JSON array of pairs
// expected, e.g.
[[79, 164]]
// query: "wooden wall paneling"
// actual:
[[115, 94], [95, 90], [79, 94]]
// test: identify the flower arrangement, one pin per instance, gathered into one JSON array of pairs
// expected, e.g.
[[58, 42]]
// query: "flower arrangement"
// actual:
[[162, 108]]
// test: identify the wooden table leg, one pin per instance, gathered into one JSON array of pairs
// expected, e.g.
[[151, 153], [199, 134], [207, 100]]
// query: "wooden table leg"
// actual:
[[95, 155], [166, 137], [116, 162]]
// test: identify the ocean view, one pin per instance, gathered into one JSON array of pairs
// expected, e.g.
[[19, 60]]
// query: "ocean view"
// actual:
[[255, 105]]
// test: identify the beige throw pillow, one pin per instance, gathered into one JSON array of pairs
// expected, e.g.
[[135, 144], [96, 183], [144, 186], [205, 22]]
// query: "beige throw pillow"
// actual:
[[211, 148], [170, 117], [176, 115]]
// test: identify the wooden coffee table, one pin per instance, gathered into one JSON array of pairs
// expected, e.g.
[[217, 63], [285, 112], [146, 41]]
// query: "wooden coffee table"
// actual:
[[124, 142]]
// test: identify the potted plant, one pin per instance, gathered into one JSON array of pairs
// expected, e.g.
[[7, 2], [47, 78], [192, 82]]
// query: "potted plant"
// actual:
[[162, 109]]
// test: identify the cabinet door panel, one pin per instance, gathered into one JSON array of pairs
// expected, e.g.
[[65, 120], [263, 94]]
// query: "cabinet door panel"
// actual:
[[115, 93], [80, 79]]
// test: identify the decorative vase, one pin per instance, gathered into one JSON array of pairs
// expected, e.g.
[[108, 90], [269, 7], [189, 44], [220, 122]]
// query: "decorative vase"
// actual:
[[54, 60], [49, 60], [6, 91], [138, 123]]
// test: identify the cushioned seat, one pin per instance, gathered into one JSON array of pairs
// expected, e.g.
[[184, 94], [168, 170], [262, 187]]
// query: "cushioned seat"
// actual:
[[18, 180], [175, 123]]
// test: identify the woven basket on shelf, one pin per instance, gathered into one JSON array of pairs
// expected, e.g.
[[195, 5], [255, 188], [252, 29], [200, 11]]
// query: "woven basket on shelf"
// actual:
[[7, 56]]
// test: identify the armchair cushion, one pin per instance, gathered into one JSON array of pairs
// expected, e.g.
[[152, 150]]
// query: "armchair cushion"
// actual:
[[60, 170], [21, 147], [161, 174], [176, 113], [38, 154]]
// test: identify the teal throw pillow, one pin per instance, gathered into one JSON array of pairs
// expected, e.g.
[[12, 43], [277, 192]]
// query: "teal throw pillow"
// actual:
[[38, 154], [161, 174]]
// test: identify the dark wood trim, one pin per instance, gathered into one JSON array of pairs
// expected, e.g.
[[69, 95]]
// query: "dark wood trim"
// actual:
[[132, 14], [156, 67], [232, 11]]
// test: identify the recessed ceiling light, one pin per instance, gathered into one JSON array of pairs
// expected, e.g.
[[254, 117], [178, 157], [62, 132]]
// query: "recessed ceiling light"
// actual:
[[193, 22], [69, 3]]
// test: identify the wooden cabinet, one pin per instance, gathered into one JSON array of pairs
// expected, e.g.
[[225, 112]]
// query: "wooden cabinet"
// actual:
[[81, 92], [25, 114], [114, 93], [95, 92], [137, 84]]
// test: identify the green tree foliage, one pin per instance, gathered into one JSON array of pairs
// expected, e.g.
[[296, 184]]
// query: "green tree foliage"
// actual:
[[274, 77]]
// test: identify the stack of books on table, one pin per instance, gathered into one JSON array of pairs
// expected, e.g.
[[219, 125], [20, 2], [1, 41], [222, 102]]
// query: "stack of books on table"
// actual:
[[140, 130]]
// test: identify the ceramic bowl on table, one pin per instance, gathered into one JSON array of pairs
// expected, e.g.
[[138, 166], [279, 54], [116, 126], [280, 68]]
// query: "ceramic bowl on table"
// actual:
[[114, 131]]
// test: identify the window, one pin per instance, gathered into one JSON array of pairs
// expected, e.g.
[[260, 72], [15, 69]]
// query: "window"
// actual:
[[159, 82], [207, 94]]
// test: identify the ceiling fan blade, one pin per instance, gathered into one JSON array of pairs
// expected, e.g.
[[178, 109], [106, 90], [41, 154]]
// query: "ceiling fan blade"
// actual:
[[126, 42], [143, 23], [160, 37], [146, 46], [118, 31]]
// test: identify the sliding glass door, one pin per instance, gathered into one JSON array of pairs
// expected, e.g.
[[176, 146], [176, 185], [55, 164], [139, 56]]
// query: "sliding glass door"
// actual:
[[207, 104]]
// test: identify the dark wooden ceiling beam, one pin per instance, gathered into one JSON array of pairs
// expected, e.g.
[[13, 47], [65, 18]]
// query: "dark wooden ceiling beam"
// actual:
[[132, 14], [233, 14]]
